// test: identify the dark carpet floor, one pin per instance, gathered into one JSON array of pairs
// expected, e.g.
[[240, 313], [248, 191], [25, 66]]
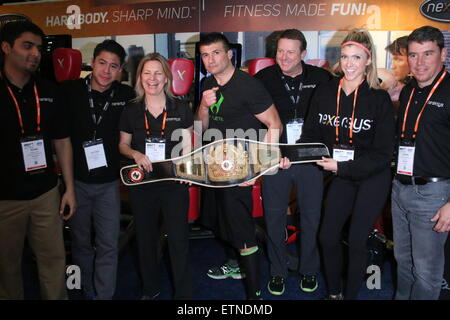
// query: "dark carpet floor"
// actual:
[[204, 254]]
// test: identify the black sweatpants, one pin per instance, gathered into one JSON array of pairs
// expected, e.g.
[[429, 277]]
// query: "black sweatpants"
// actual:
[[363, 202], [150, 203]]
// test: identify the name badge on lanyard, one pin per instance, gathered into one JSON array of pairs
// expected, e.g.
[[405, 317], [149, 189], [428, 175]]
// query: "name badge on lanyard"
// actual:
[[406, 150], [94, 150], [33, 148], [343, 153], [33, 153], [294, 130], [405, 161], [155, 148], [95, 154]]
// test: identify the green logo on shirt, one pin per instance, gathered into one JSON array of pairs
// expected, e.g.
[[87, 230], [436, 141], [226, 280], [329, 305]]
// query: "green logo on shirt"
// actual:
[[216, 106]]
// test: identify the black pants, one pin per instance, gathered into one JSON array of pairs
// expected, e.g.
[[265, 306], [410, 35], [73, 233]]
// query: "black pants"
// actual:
[[150, 203], [308, 182], [363, 202]]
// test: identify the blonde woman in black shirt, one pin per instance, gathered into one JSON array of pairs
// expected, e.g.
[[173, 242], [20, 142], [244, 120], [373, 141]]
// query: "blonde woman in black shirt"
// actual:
[[146, 129], [355, 119]]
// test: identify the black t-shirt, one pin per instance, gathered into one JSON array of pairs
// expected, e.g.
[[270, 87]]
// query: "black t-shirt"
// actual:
[[179, 116], [373, 128], [239, 100], [432, 154], [76, 97], [303, 85], [16, 183]]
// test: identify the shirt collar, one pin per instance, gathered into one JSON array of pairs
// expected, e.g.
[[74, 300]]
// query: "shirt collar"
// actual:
[[300, 77], [88, 80], [415, 85], [30, 82]]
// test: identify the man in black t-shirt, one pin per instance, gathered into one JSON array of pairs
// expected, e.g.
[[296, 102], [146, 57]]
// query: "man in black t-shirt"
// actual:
[[32, 119], [95, 105], [235, 105], [421, 188], [291, 84]]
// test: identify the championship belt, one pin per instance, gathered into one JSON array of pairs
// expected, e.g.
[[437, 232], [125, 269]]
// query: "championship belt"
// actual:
[[225, 163]]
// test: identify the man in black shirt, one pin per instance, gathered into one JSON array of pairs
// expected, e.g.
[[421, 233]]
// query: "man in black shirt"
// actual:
[[421, 188], [32, 118], [291, 84], [95, 104], [233, 102]]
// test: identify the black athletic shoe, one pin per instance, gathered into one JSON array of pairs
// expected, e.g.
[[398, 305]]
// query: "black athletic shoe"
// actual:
[[308, 284], [276, 286]]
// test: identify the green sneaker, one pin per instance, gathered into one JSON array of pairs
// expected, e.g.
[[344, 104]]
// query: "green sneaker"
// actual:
[[309, 283], [225, 271], [276, 286]]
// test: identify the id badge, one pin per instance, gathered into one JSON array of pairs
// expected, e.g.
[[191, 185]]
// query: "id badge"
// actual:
[[33, 151], [95, 154], [155, 148], [294, 130], [405, 161], [343, 153]]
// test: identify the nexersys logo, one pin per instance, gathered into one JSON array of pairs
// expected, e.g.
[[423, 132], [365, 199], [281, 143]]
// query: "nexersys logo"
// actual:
[[438, 10], [344, 122]]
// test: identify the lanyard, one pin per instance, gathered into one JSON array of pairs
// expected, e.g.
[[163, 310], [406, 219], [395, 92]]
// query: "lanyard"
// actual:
[[92, 107], [19, 114], [294, 99], [416, 126], [353, 112], [163, 126]]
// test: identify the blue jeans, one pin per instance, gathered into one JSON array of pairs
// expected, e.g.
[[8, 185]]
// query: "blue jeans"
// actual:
[[418, 250]]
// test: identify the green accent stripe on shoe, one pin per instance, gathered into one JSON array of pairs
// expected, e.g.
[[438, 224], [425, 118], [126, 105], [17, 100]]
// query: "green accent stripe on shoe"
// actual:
[[249, 252], [310, 290], [275, 293]]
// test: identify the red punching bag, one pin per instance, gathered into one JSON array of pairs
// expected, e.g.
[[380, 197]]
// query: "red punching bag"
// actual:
[[66, 63], [258, 64], [183, 75]]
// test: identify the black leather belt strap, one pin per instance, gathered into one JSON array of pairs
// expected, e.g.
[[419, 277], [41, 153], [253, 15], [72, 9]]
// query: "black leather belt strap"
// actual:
[[418, 180], [303, 152]]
